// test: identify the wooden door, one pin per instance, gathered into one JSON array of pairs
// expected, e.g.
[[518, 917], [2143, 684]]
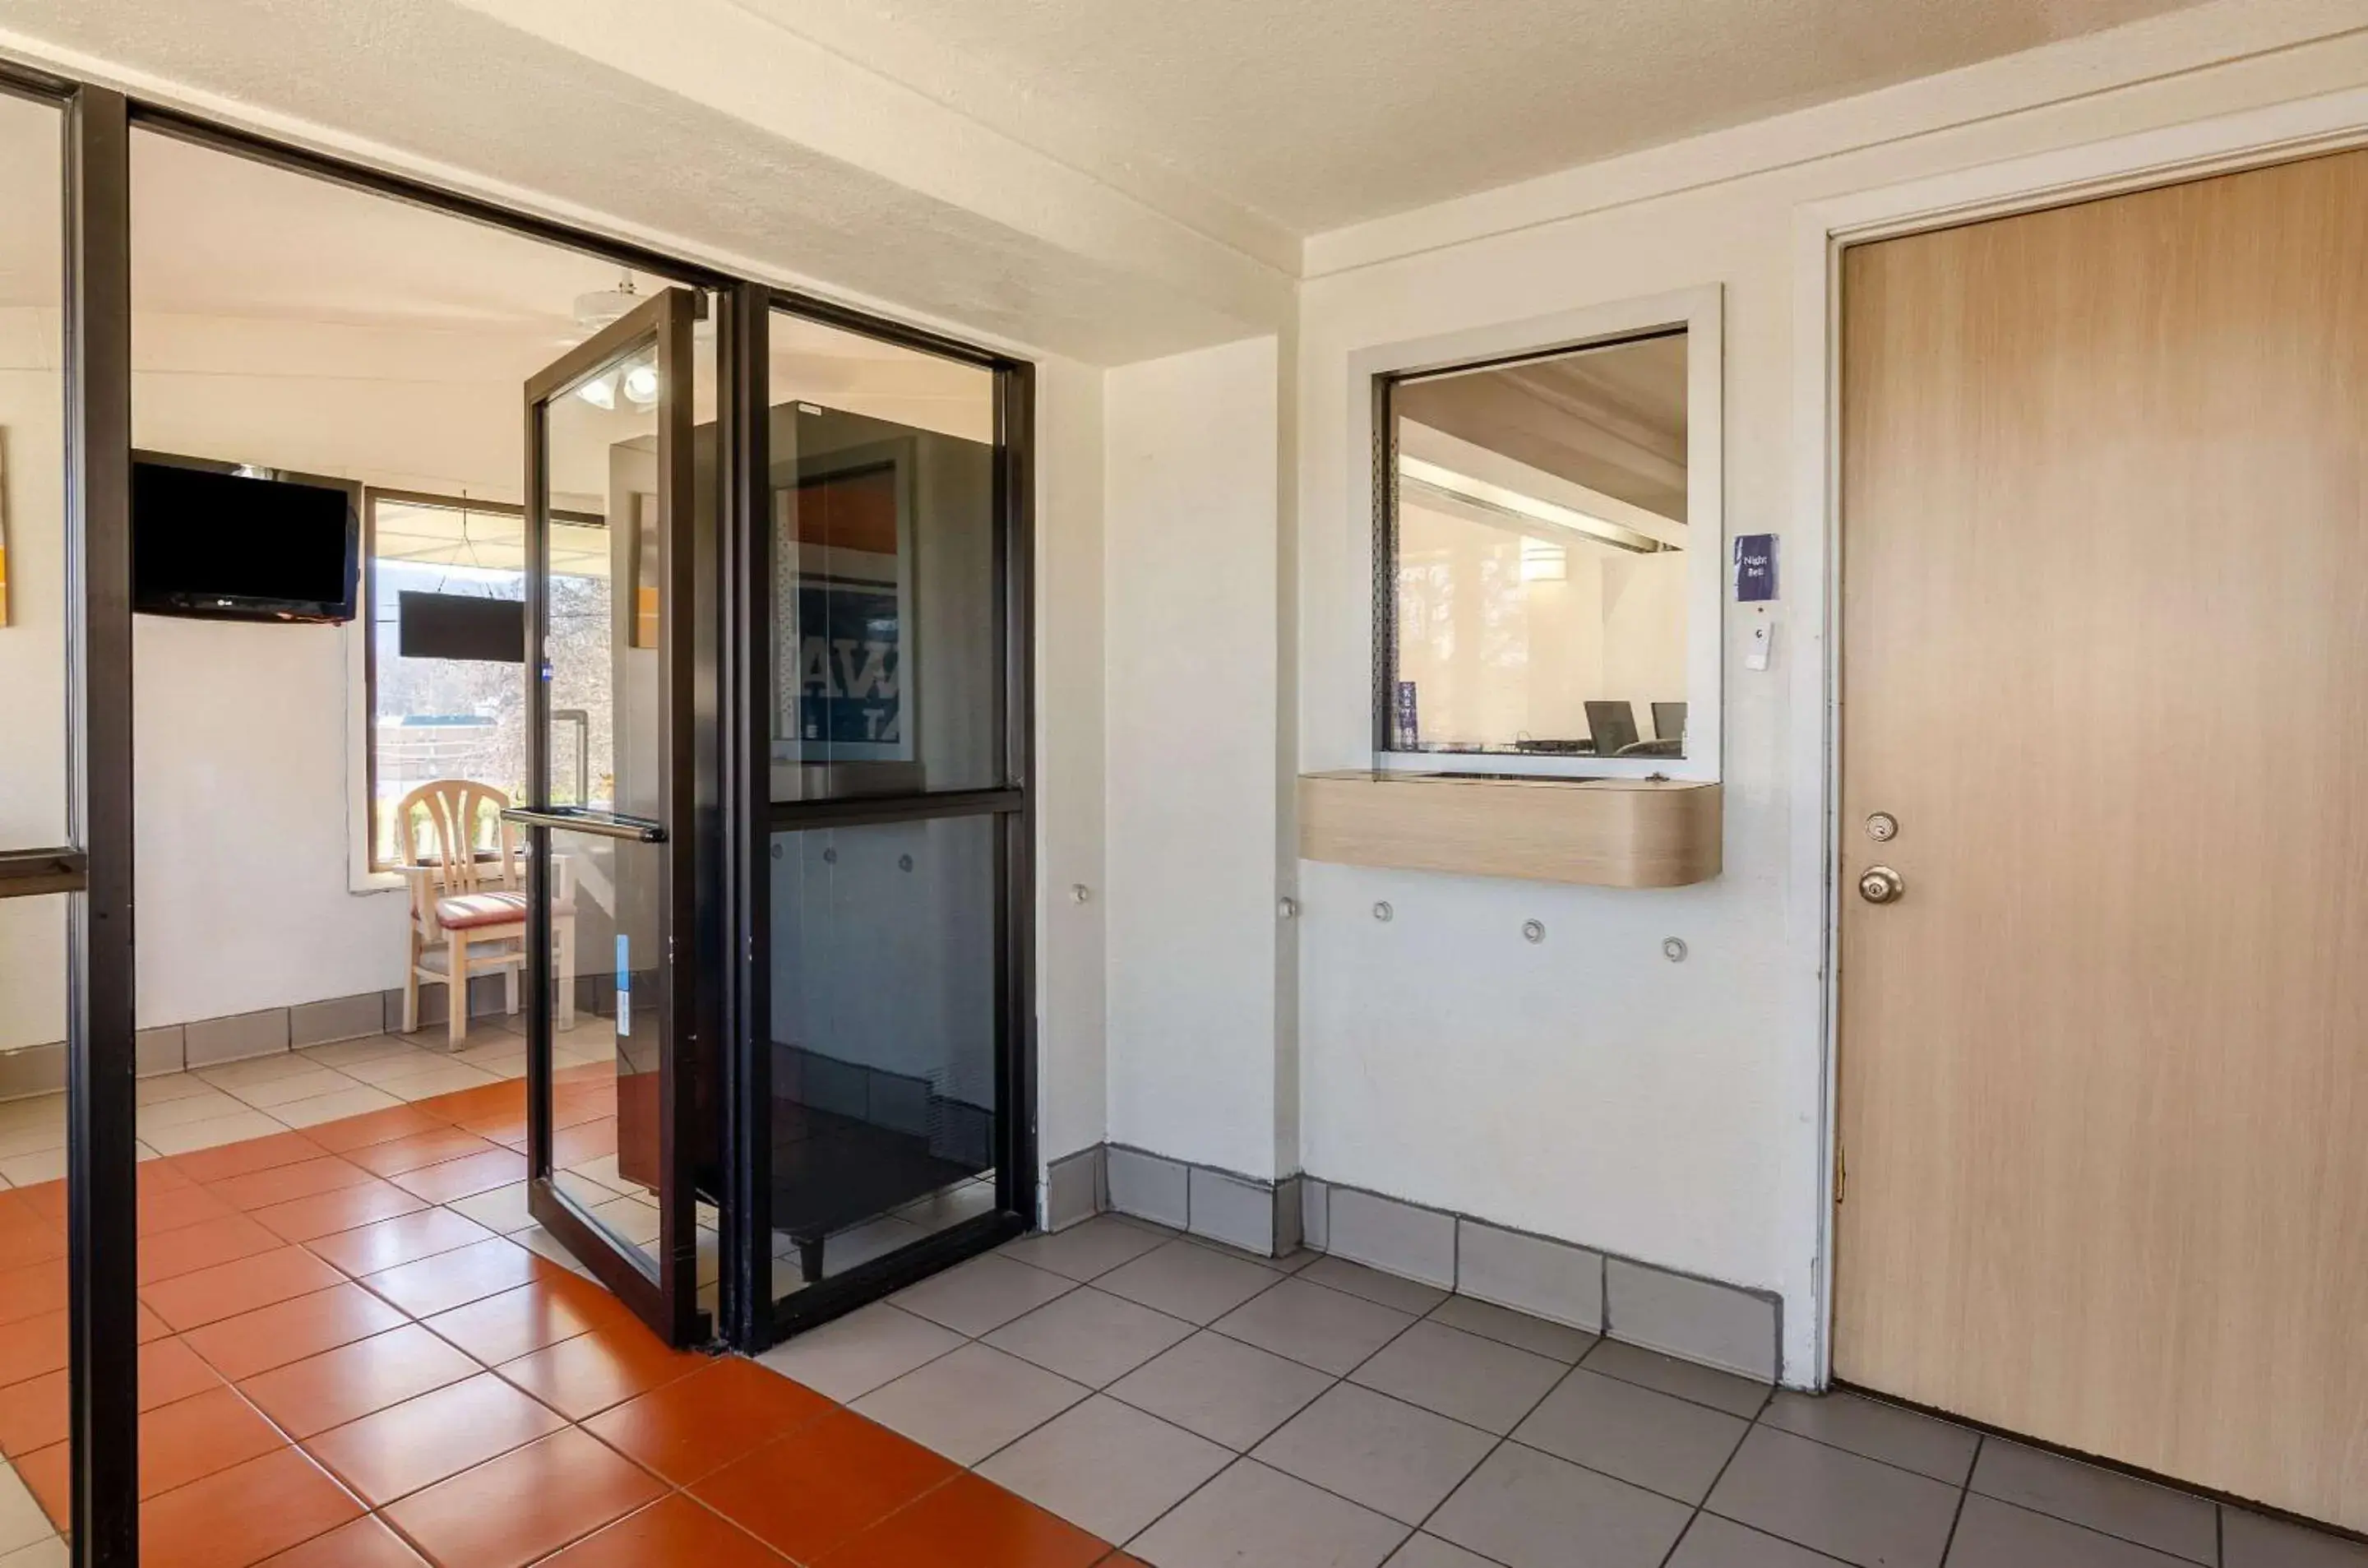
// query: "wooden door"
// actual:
[[2104, 1064]]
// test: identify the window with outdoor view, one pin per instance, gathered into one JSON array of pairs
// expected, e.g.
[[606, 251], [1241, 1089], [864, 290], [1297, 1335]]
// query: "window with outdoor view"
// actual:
[[447, 679]]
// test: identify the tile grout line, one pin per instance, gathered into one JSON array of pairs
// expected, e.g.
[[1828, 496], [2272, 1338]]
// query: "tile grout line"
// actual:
[[1336, 1381], [1074, 1286], [1956, 1518], [1724, 1466], [1341, 1379], [1502, 1440], [1237, 1454], [288, 1441], [377, 1512]]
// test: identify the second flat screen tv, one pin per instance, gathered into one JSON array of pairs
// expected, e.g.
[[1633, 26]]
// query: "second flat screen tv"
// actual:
[[209, 540]]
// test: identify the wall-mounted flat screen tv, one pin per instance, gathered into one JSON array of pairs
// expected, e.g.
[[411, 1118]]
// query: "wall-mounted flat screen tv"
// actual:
[[232, 543]]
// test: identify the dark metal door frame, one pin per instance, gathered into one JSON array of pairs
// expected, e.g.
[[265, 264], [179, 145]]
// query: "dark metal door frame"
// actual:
[[94, 868], [102, 1019], [664, 1295]]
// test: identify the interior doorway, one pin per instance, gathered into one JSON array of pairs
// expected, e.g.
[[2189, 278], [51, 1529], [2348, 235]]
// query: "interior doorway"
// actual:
[[2105, 633]]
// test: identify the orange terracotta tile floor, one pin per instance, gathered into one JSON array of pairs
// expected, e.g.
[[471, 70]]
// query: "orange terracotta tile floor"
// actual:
[[338, 1372]]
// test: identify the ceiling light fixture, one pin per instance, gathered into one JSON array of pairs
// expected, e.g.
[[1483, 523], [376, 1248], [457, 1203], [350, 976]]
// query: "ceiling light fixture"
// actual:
[[600, 392], [1479, 493], [642, 384], [598, 308]]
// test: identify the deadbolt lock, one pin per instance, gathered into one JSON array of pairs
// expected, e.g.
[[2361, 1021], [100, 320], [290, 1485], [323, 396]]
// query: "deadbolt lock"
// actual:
[[1883, 827], [1880, 884]]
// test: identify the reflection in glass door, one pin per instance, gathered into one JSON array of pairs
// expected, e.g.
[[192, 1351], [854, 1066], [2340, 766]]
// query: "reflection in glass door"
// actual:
[[614, 989], [890, 880]]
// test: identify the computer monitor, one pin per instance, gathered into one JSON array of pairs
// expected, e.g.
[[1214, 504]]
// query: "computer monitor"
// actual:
[[1670, 722]]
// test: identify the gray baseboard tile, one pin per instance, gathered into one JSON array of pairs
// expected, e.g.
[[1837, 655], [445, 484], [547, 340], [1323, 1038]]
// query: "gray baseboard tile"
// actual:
[[1314, 1214], [338, 1017], [160, 1050], [488, 998], [205, 1042], [1393, 1235], [1077, 1187], [1537, 1275], [1700, 1320], [1732, 1327], [1150, 1186], [1236, 1210], [1244, 1211], [31, 1070], [235, 1038], [41, 1068]]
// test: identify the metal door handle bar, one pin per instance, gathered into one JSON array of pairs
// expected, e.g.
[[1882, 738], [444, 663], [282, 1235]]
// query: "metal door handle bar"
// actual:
[[26, 873], [605, 825]]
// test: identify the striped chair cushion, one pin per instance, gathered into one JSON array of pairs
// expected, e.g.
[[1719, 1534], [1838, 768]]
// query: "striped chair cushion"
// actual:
[[467, 912]]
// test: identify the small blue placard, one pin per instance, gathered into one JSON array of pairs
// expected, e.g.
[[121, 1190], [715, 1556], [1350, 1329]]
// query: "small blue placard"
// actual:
[[625, 983], [1755, 568]]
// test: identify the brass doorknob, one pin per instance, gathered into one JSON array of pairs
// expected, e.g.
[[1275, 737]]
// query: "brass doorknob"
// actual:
[[1880, 884]]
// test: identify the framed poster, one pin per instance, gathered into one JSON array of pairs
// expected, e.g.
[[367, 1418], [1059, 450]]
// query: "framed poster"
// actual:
[[843, 535]]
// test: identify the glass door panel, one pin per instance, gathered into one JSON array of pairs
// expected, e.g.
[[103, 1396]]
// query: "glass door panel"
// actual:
[[885, 1081], [611, 767], [887, 637], [893, 934]]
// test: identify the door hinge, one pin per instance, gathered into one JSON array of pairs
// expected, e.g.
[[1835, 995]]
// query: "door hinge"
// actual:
[[1841, 1172]]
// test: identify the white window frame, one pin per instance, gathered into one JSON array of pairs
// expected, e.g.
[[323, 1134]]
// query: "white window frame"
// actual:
[[1699, 312], [360, 719]]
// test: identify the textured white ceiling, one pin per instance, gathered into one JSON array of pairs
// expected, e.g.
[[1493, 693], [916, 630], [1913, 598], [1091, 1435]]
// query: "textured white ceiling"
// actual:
[[604, 111], [1112, 179], [1317, 113]]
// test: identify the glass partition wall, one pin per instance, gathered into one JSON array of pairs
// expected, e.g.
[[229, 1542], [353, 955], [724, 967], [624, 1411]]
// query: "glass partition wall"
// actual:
[[43, 870], [757, 575], [76, 1370]]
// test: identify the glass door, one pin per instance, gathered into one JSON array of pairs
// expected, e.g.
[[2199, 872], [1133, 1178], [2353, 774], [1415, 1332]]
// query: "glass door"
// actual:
[[889, 878], [614, 1019]]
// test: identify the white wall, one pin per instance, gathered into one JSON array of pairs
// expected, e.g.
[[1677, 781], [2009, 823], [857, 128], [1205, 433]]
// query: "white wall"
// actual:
[[1587, 1088], [1072, 1067], [243, 799], [1191, 561]]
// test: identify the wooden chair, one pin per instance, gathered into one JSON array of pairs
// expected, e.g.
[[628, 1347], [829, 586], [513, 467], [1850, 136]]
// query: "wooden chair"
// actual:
[[467, 871]]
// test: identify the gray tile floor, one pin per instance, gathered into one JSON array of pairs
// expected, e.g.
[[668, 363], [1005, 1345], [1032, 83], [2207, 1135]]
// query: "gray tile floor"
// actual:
[[1205, 1407]]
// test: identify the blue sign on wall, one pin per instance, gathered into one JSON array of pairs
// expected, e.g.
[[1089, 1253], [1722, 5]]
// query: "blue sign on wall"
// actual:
[[1755, 568], [849, 663]]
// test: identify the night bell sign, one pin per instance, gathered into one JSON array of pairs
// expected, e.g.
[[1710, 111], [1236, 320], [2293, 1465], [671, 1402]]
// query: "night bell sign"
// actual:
[[1755, 568]]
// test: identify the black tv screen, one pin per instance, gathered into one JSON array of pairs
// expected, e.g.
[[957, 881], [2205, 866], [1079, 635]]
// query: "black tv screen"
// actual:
[[208, 541], [460, 626]]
